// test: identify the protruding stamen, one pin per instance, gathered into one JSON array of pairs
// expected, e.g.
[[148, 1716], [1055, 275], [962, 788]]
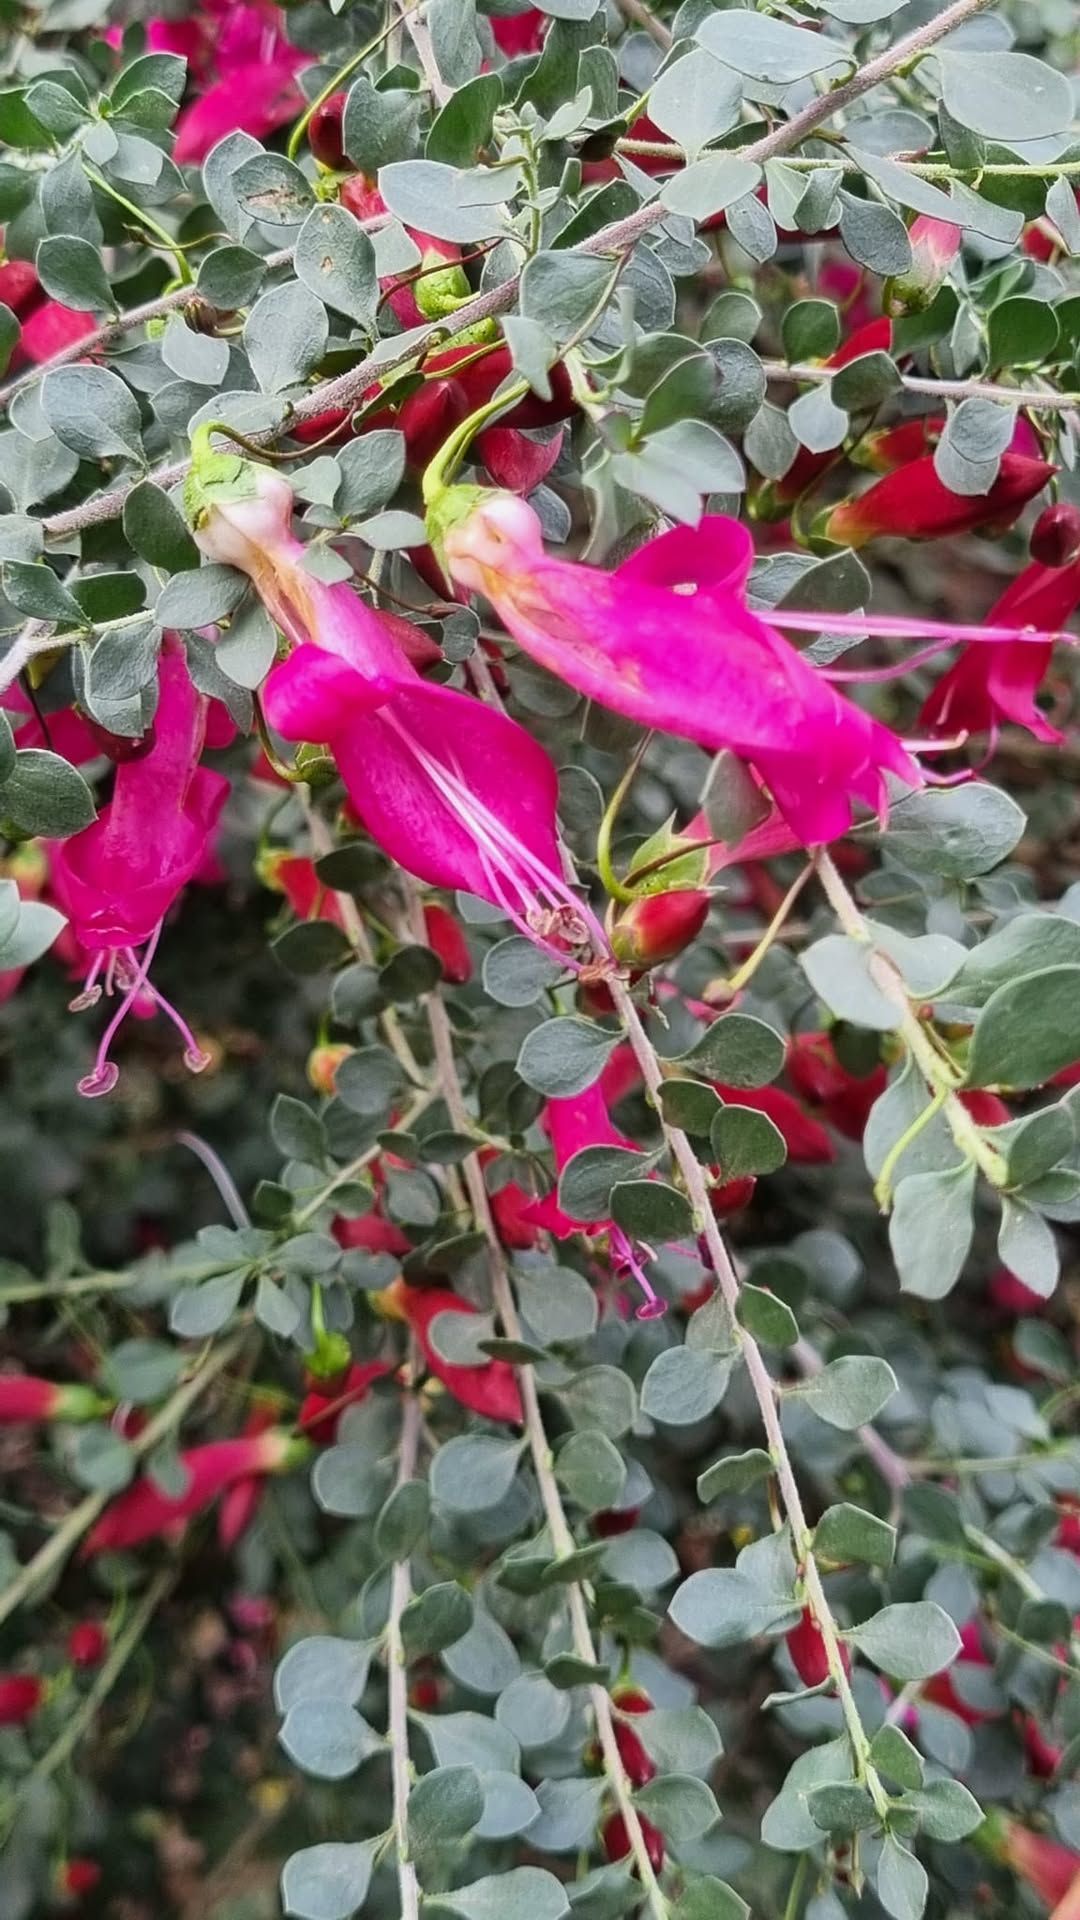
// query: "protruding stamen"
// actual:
[[652, 1307], [104, 1075]]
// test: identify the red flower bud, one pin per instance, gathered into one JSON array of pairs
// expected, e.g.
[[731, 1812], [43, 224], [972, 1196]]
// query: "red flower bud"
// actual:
[[637, 1766], [913, 504], [76, 1877], [326, 132], [616, 1841], [658, 927], [18, 284], [1055, 537], [609, 1524], [88, 1643], [895, 446], [631, 1699], [24, 1397], [448, 942], [732, 1196], [807, 1650], [21, 1694], [143, 1511], [425, 1694]]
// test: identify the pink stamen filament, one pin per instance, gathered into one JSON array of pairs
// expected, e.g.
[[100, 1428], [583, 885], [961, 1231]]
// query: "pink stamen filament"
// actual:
[[195, 1059], [625, 1260], [125, 965], [105, 1073], [894, 671], [506, 861], [885, 626]]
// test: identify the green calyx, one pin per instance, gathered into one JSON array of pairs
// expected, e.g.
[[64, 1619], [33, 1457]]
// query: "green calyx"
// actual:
[[447, 508], [215, 478]]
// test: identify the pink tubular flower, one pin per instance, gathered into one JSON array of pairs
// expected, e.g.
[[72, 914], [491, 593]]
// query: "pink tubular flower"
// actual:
[[143, 1511], [454, 791], [118, 878], [572, 1125], [987, 685], [668, 640], [24, 1397], [913, 504]]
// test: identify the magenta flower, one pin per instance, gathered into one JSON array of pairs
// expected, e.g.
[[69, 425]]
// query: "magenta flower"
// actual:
[[668, 640], [572, 1125], [244, 68], [453, 790], [117, 879]]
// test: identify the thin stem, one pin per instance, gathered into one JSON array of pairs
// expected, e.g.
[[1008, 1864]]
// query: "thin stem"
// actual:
[[937, 389], [165, 240], [935, 1069], [562, 1538], [753, 960], [420, 35], [219, 1174], [347, 1173], [51, 1557], [618, 237], [398, 1679], [641, 16], [764, 1389]]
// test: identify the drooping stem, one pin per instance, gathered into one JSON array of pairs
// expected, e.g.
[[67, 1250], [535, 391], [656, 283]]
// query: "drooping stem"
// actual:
[[764, 1389], [398, 1679], [562, 1538]]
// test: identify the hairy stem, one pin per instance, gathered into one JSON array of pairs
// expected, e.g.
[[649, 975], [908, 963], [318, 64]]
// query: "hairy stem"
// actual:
[[398, 1679], [764, 1389], [562, 1538]]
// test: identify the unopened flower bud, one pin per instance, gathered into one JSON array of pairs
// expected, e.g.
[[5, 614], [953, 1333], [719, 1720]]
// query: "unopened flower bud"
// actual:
[[448, 942], [322, 1065], [732, 1196], [808, 1653], [326, 132], [658, 927], [88, 1643], [21, 1694], [1055, 537], [935, 244], [616, 1841]]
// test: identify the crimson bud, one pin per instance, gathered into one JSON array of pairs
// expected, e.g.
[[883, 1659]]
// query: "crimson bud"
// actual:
[[659, 926], [326, 136], [1055, 537]]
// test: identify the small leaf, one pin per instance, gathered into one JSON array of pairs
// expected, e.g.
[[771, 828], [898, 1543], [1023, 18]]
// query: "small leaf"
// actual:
[[850, 1391], [564, 1056], [684, 1385], [328, 1882], [846, 1534], [909, 1641], [902, 1882], [473, 1472]]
